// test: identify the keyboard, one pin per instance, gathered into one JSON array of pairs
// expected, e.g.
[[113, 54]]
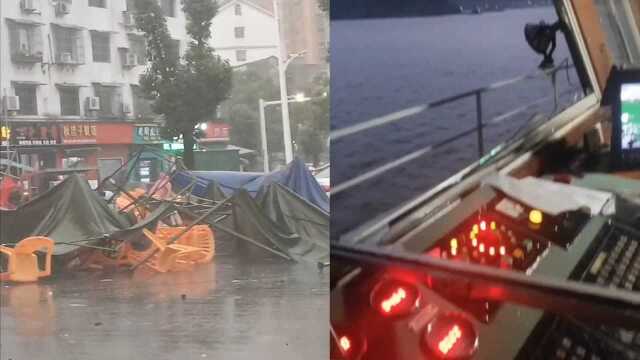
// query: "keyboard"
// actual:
[[615, 263]]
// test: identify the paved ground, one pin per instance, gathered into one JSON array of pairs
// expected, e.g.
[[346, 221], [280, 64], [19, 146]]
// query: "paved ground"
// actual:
[[235, 308]]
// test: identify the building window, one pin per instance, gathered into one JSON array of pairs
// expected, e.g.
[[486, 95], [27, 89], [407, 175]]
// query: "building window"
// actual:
[[239, 31], [168, 7], [98, 3], [138, 46], [28, 99], [110, 100], [238, 9], [69, 47], [101, 46], [141, 105], [241, 55], [69, 101], [25, 42]]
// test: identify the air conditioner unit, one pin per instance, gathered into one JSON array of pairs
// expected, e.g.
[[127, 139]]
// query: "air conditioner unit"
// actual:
[[29, 5], [66, 58], [93, 103], [12, 103], [128, 19], [126, 108], [130, 59], [63, 8]]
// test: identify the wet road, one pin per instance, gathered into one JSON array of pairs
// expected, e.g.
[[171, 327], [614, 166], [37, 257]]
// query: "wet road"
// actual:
[[234, 308]]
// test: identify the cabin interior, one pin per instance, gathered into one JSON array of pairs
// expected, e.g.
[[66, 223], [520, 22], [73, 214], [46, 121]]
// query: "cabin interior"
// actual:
[[533, 252]]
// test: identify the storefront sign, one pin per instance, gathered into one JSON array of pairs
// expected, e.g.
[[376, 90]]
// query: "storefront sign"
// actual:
[[34, 134], [145, 134], [216, 132], [82, 133]]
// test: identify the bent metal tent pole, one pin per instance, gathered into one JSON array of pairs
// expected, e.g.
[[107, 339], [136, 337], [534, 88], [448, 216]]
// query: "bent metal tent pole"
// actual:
[[103, 181], [217, 226], [243, 237]]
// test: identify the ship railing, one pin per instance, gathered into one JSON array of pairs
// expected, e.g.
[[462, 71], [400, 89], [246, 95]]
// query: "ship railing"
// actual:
[[480, 123]]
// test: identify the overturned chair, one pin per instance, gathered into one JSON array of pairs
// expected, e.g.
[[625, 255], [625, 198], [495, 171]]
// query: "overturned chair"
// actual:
[[164, 257], [23, 265]]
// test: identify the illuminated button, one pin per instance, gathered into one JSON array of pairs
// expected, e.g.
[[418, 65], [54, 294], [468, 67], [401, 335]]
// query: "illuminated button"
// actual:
[[472, 235], [492, 250], [454, 251], [475, 228], [395, 298], [481, 248], [483, 225], [535, 216], [503, 250], [454, 243], [350, 345], [451, 336], [474, 242], [493, 225], [345, 344], [518, 253]]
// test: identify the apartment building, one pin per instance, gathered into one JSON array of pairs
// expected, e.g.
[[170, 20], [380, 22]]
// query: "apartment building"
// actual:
[[69, 73], [244, 31]]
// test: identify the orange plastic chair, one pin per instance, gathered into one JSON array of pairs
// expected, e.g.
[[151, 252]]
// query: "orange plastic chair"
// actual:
[[23, 263], [200, 236], [173, 257]]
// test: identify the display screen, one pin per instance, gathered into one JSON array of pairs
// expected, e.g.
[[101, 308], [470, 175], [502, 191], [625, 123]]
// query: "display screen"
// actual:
[[630, 116]]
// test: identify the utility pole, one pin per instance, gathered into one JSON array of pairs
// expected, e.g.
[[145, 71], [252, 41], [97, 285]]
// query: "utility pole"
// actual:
[[263, 136], [282, 67]]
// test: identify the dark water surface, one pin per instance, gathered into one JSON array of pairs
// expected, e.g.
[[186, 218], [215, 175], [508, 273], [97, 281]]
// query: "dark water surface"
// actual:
[[381, 66], [234, 308]]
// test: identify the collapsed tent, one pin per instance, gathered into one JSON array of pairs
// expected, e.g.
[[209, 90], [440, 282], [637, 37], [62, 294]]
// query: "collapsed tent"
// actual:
[[294, 176], [282, 220], [71, 214]]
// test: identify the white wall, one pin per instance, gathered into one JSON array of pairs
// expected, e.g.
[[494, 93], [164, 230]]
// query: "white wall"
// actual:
[[261, 35], [89, 18]]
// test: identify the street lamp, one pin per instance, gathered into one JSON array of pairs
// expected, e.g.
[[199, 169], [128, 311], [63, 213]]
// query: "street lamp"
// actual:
[[282, 68], [286, 131]]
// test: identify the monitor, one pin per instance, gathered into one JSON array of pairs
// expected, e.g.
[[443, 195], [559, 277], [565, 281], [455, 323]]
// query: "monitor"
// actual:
[[624, 97]]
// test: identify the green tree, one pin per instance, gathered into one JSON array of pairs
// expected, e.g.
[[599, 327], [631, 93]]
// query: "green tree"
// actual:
[[312, 120], [185, 92], [241, 109]]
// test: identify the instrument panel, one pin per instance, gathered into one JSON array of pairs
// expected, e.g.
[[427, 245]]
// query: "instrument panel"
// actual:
[[394, 315]]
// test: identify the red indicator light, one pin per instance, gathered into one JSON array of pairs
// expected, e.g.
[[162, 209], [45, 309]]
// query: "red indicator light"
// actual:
[[452, 337], [345, 344], [395, 297], [483, 225], [394, 300]]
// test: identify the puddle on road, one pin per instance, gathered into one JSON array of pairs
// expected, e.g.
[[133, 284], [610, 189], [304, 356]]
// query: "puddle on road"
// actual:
[[234, 308]]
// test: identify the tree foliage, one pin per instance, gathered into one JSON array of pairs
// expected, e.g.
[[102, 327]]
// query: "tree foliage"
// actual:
[[242, 112], [186, 91]]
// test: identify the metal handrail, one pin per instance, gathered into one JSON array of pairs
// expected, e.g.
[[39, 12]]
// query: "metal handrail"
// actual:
[[478, 128]]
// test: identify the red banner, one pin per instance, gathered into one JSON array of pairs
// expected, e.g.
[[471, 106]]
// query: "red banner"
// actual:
[[80, 133], [216, 132]]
